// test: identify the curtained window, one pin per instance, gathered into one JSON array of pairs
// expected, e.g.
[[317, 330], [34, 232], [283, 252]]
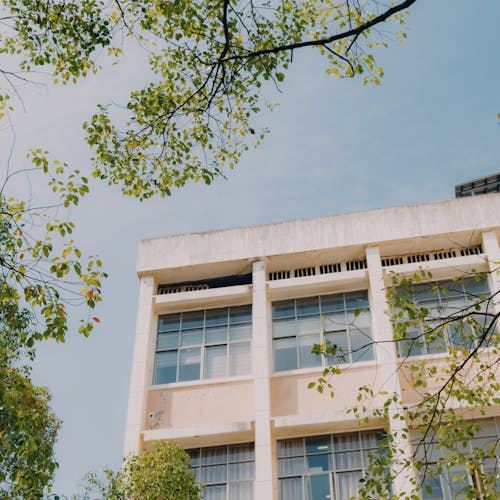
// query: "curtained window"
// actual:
[[325, 467], [227, 472]]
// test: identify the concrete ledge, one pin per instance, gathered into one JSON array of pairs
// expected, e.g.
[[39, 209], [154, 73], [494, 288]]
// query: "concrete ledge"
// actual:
[[189, 437]]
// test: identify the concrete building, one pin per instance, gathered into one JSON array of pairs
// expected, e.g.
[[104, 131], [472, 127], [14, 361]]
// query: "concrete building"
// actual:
[[227, 319]]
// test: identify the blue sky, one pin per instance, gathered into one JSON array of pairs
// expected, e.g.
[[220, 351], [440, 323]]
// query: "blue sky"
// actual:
[[335, 146]]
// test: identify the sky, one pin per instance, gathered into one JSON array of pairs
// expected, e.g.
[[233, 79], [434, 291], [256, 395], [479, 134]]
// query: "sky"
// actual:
[[334, 147]]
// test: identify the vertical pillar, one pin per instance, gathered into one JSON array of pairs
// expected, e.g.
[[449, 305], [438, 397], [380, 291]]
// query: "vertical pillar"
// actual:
[[386, 356], [491, 249], [261, 362], [141, 375]]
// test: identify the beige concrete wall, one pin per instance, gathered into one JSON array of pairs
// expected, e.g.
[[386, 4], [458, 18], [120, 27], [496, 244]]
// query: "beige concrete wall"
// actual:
[[200, 405], [290, 395]]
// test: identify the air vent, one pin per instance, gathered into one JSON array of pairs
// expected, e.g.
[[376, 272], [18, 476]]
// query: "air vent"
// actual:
[[475, 250], [279, 275], [392, 261], [330, 268], [418, 257], [445, 254], [163, 290], [354, 265], [304, 271]]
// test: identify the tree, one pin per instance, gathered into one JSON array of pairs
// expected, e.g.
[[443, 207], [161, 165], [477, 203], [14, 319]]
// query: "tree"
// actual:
[[28, 428], [447, 393], [160, 473], [209, 62]]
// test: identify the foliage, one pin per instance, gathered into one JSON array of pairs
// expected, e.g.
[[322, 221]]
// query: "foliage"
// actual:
[[40, 265], [161, 473], [448, 392], [28, 428], [210, 62]]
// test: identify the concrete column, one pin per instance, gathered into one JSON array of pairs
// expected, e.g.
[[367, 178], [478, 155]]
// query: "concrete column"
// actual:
[[386, 356], [491, 249], [261, 362], [141, 377]]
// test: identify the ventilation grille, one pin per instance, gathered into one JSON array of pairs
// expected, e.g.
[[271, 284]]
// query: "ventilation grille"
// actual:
[[437, 255], [392, 261], [471, 250], [354, 265], [304, 271], [279, 275], [334, 267], [165, 289], [330, 268]]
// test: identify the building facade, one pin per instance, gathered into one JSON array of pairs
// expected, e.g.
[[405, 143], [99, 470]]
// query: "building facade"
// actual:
[[227, 320]]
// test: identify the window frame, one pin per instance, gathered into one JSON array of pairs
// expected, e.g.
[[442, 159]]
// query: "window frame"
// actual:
[[197, 456], [335, 305], [415, 344], [204, 331], [334, 449]]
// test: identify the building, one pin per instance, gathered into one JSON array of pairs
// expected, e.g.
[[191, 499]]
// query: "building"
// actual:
[[483, 185], [226, 323]]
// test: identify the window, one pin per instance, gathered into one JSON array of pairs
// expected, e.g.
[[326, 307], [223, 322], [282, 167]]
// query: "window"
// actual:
[[476, 465], [203, 344], [227, 472], [442, 302], [325, 467], [342, 319]]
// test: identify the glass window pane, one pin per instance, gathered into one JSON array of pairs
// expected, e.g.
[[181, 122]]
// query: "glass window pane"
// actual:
[[309, 323], [169, 322], [318, 487], [308, 305], [216, 316], [283, 309], [241, 452], [361, 346], [285, 327], [192, 337], [240, 314], [194, 456], [241, 491], [214, 455], [356, 300], [348, 483], [306, 357], [189, 364], [165, 367], [242, 331], [348, 460], [166, 341], [214, 474], [291, 489], [285, 354], [332, 303], [216, 334], [241, 472], [334, 321], [290, 447], [192, 319], [431, 488], [338, 341], [216, 361], [476, 288], [215, 492], [240, 359], [318, 444], [291, 466], [358, 320], [318, 463], [344, 442]]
